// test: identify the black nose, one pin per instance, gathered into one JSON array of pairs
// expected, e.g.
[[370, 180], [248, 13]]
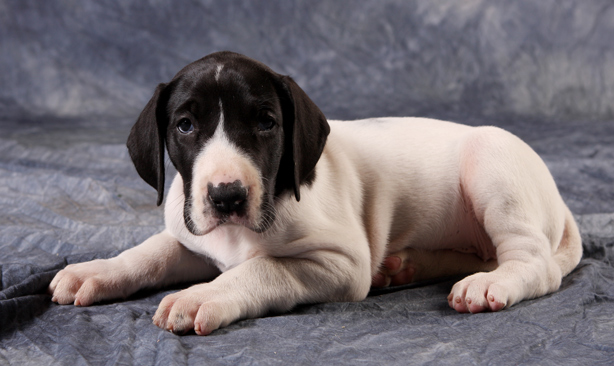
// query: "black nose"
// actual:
[[227, 198]]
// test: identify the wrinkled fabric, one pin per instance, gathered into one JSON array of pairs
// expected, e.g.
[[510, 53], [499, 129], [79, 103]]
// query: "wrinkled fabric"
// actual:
[[75, 75]]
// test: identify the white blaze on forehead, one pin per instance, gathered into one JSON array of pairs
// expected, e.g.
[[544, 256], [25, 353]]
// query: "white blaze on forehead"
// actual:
[[221, 161], [218, 71], [220, 125], [210, 161]]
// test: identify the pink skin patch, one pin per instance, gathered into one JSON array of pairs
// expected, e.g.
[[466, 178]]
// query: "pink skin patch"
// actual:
[[394, 272]]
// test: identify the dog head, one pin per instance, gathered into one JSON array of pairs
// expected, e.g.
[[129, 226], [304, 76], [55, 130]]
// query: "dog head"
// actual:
[[239, 134]]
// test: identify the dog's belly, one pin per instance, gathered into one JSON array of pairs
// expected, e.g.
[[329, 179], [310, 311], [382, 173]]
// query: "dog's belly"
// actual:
[[455, 229], [410, 172]]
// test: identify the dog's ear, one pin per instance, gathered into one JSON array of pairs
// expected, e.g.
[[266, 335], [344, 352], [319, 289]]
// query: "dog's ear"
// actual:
[[146, 141], [305, 129]]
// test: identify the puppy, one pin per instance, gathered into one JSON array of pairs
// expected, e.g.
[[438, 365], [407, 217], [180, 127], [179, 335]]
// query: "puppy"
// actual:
[[275, 206]]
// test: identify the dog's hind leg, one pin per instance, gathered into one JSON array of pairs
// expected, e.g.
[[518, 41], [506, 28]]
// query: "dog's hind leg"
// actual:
[[516, 200], [414, 265]]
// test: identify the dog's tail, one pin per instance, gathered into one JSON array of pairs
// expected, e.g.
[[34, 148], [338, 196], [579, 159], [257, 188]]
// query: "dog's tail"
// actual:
[[569, 252]]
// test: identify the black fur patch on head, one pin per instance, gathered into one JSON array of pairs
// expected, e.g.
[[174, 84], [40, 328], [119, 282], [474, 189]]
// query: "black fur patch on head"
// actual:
[[266, 115]]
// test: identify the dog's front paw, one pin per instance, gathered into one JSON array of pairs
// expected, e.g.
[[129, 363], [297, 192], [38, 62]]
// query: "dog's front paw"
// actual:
[[480, 292], [83, 284], [201, 307]]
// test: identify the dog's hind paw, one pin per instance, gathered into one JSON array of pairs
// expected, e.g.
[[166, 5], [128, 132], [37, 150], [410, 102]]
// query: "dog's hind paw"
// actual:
[[478, 293], [396, 270]]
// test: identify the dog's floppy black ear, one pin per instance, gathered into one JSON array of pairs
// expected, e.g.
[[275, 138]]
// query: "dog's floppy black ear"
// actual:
[[146, 141], [305, 129]]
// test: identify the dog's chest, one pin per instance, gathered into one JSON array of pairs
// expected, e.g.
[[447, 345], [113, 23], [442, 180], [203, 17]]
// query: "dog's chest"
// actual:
[[228, 245]]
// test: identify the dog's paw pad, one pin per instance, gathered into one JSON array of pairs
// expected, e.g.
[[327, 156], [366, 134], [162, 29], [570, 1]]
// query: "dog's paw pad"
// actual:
[[392, 264], [397, 269], [403, 277], [478, 293]]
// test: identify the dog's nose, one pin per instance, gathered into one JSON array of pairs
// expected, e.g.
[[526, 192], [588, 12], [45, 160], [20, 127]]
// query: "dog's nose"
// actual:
[[227, 198]]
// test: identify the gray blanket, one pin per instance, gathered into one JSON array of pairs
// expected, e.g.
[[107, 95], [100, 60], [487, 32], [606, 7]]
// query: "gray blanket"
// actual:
[[74, 76]]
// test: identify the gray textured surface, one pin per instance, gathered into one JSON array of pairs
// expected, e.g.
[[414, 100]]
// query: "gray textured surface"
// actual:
[[75, 75], [535, 58]]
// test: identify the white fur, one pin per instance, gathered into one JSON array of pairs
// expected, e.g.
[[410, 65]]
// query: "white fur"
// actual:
[[218, 71], [452, 197], [220, 161]]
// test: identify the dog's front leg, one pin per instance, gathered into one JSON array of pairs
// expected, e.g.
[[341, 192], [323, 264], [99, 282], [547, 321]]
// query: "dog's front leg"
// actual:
[[258, 286], [158, 261]]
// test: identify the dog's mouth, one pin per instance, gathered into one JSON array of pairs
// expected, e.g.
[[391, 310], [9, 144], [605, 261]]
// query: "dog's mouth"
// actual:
[[195, 230], [202, 222], [199, 230]]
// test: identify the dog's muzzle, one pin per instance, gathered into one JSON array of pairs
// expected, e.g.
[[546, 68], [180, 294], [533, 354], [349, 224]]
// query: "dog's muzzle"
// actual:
[[228, 198]]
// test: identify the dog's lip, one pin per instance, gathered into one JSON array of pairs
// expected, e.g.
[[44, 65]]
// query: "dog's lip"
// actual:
[[226, 222], [206, 231]]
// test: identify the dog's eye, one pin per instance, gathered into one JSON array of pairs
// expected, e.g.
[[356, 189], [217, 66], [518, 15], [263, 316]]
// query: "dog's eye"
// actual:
[[266, 124], [185, 126]]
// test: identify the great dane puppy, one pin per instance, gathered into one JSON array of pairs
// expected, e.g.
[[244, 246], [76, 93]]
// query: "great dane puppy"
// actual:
[[275, 206]]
